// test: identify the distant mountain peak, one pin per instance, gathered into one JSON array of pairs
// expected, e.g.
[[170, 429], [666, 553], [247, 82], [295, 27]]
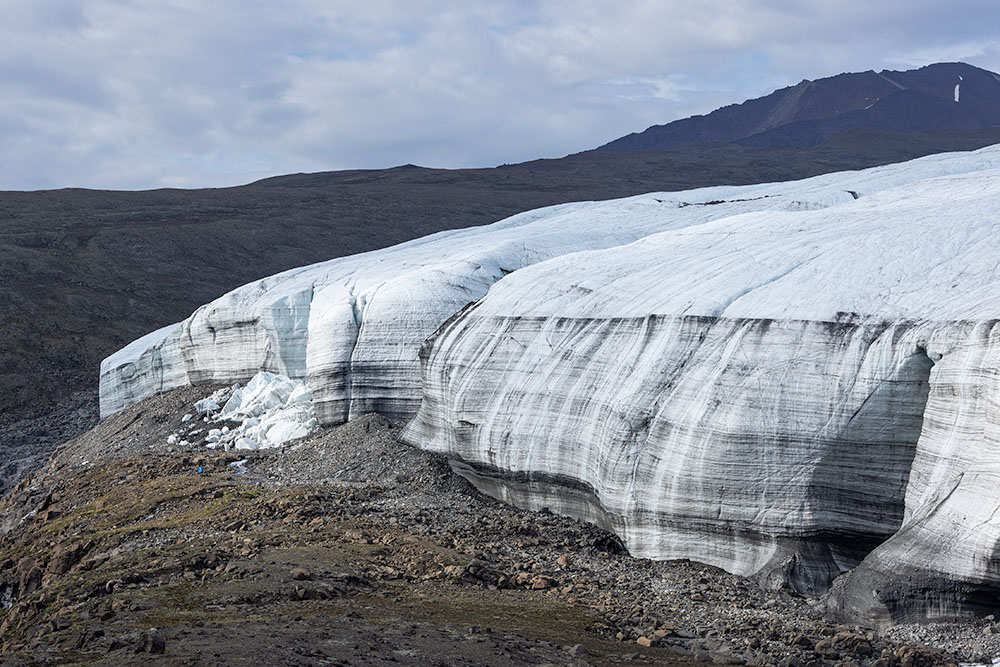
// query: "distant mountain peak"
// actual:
[[933, 98]]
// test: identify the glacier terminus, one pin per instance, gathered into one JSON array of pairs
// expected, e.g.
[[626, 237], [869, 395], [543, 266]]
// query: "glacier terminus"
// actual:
[[797, 382]]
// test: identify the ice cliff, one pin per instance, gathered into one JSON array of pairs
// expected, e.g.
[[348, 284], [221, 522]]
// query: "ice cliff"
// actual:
[[774, 379]]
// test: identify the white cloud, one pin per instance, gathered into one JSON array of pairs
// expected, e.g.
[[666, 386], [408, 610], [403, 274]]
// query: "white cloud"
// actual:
[[144, 93]]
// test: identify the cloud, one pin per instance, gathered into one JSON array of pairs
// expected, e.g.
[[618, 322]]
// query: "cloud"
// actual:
[[143, 93]]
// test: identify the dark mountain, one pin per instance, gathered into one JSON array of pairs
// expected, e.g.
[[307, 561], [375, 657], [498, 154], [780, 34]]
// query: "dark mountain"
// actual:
[[936, 98]]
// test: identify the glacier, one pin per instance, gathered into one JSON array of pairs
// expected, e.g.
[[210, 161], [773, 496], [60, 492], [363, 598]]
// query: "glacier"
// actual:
[[791, 381], [352, 326], [777, 394]]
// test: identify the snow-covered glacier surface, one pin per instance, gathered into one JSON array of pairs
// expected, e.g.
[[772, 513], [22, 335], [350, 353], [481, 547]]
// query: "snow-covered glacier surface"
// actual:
[[352, 327], [774, 379]]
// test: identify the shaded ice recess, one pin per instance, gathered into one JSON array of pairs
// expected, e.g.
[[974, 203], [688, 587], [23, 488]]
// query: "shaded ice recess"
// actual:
[[352, 327], [773, 393]]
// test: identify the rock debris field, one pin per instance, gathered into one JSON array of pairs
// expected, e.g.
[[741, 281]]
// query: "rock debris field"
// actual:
[[350, 548]]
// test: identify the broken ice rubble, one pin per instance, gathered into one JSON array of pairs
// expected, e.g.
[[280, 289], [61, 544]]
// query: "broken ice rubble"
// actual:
[[269, 411]]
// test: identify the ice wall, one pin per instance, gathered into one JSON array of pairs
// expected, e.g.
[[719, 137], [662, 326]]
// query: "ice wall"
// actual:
[[775, 379], [774, 394]]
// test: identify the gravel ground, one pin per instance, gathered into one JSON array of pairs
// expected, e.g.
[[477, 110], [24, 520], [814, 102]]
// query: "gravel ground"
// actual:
[[28, 438], [351, 548]]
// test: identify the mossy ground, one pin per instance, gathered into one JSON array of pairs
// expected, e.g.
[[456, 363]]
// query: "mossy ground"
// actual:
[[208, 559]]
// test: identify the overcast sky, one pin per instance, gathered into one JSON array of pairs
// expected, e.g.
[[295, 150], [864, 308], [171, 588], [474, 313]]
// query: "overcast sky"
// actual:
[[133, 94]]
